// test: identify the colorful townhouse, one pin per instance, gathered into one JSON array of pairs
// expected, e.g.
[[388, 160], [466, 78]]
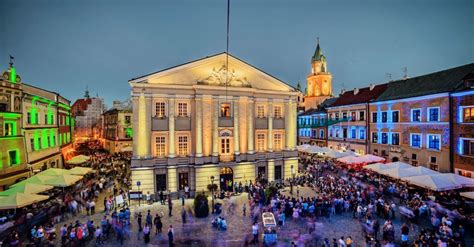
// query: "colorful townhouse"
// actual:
[[313, 125], [347, 119], [410, 121]]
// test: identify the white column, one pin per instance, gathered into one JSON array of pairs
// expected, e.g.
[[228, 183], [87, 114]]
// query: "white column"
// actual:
[[270, 127], [293, 124], [287, 125], [198, 127], [215, 127], [236, 128], [171, 113], [251, 130], [142, 148]]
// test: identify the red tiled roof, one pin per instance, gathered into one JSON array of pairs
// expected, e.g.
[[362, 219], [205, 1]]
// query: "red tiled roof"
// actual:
[[80, 106], [363, 96]]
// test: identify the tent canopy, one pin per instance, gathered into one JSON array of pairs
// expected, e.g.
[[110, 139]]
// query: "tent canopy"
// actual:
[[469, 195], [407, 172], [303, 147], [19, 200], [378, 167], [63, 180], [79, 170], [36, 179], [368, 158], [458, 179], [432, 182], [54, 172], [79, 159], [26, 189], [313, 150]]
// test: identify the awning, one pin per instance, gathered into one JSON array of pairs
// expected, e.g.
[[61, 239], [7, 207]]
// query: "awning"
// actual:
[[53, 172], [26, 189], [433, 182], [458, 179], [79, 170], [79, 159], [36, 179], [378, 167], [63, 180], [20, 200], [407, 172]]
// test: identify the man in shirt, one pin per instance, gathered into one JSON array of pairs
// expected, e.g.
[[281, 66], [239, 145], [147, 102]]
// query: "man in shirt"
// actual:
[[255, 232]]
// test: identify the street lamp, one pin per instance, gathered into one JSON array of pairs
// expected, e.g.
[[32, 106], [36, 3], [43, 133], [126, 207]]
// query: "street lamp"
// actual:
[[212, 192]]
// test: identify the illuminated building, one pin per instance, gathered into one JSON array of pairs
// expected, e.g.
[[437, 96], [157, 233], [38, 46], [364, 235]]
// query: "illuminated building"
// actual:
[[200, 119], [117, 127], [319, 81], [410, 121], [13, 163], [348, 115], [313, 125], [463, 127], [88, 113]]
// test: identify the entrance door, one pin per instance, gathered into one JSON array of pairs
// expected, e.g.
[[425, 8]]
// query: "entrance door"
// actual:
[[344, 132], [183, 180], [394, 159], [261, 172], [160, 180], [277, 172], [226, 178]]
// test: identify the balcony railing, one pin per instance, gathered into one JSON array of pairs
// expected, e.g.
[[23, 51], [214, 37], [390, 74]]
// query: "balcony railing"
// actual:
[[324, 123]]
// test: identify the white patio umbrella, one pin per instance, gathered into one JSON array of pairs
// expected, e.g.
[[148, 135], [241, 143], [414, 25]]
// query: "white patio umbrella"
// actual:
[[407, 172], [433, 182], [458, 179], [377, 167], [313, 150], [469, 195], [303, 147]]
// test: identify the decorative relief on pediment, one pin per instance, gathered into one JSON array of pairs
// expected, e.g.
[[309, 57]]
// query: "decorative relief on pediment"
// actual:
[[218, 77]]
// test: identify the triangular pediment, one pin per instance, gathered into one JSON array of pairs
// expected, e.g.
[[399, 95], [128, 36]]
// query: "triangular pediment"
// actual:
[[212, 71]]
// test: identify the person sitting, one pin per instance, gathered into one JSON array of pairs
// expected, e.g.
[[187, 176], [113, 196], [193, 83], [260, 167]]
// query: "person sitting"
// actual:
[[215, 223], [223, 225]]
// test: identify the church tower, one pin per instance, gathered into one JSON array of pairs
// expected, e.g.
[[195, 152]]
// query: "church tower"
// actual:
[[319, 81]]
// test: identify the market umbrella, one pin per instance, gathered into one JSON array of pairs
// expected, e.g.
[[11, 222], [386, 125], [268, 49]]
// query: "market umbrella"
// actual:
[[20, 200], [349, 160], [469, 195], [378, 167], [127, 149], [26, 189], [432, 182], [54, 172], [407, 172], [313, 150], [79, 159], [458, 179], [79, 170], [333, 154], [36, 179], [64, 180], [369, 158], [302, 148]]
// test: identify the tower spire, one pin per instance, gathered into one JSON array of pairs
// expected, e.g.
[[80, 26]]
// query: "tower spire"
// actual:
[[86, 95]]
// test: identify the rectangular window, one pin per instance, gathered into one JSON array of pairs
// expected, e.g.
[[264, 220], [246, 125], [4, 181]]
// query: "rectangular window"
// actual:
[[362, 134], [277, 141], [362, 116], [182, 145], [468, 147], [337, 116], [53, 138], [32, 144], [225, 146], [434, 141], [10, 128], [415, 140], [260, 142], [225, 110], [416, 115], [14, 157], [433, 159], [375, 137], [374, 117], [468, 114], [182, 109], [395, 139], [353, 116], [433, 114], [28, 118], [321, 134], [160, 109], [344, 115], [413, 156], [277, 112], [46, 119], [160, 146], [128, 119], [353, 133], [395, 116], [384, 117], [260, 111], [384, 138]]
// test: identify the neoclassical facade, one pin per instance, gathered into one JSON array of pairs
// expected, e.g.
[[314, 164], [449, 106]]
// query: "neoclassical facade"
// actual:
[[189, 126]]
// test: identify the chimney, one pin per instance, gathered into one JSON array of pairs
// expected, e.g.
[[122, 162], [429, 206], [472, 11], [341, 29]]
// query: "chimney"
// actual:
[[343, 91], [371, 86], [356, 91]]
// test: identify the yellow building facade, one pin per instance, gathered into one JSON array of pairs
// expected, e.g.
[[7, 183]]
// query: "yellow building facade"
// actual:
[[201, 120]]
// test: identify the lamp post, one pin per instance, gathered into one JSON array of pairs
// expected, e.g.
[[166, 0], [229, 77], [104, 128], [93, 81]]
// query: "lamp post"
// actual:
[[293, 177], [212, 192]]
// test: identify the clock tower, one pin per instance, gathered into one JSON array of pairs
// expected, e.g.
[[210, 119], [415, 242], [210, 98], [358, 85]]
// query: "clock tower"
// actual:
[[319, 81]]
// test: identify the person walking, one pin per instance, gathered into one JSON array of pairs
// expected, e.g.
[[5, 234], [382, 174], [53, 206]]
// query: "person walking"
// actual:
[[255, 233], [146, 233], [170, 206], [171, 236], [183, 215], [158, 224], [139, 221], [149, 218], [244, 209]]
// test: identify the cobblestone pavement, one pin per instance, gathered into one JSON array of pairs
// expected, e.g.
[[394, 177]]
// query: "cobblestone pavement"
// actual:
[[199, 232]]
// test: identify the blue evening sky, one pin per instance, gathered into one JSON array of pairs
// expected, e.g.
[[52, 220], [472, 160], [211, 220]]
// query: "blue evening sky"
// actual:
[[64, 45]]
